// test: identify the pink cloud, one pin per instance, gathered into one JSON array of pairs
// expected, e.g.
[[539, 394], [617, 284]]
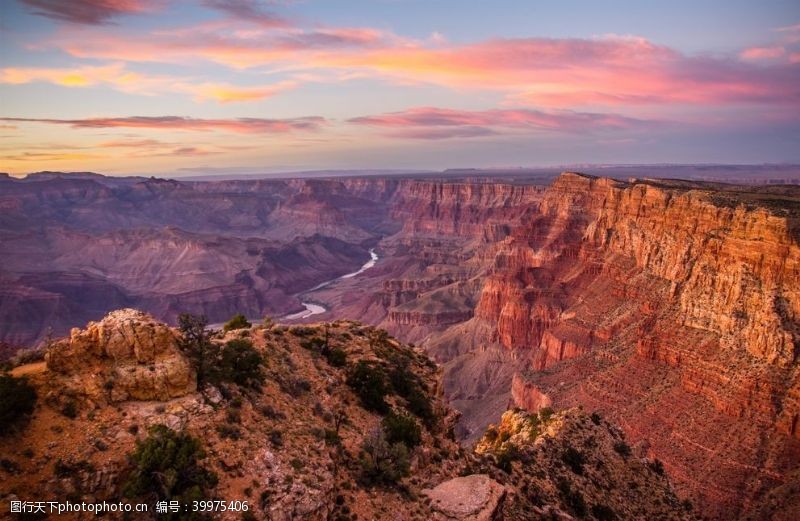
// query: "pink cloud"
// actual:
[[240, 125], [90, 12], [762, 53], [438, 123], [547, 72]]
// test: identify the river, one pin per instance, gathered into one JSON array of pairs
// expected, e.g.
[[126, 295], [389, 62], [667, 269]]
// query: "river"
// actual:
[[316, 309]]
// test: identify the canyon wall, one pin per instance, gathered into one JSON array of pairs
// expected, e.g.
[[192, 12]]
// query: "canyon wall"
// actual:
[[671, 307]]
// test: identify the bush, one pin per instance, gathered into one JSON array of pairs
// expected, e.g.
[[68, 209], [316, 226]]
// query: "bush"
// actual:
[[504, 460], [545, 413], [369, 383], [574, 459], [166, 466], [336, 357], [572, 498], [596, 418], [622, 448], [381, 462], [17, 400], [238, 321], [241, 364], [657, 466], [400, 428], [408, 385], [70, 409]]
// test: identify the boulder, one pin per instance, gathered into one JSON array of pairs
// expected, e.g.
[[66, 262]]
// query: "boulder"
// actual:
[[128, 355], [470, 498]]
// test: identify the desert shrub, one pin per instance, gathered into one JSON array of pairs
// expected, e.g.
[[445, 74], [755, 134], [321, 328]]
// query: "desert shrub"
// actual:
[[382, 463], [491, 434], [657, 466], [332, 437], [573, 499], [301, 331], [70, 409], [574, 459], [17, 400], [369, 383], [313, 344], [401, 428], [166, 466], [336, 357], [622, 448], [295, 386], [603, 513], [276, 438], [68, 469], [504, 459], [241, 364], [596, 418], [238, 321], [545, 413], [408, 385]]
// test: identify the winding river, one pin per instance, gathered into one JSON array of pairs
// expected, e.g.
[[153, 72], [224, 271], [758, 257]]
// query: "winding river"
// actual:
[[316, 309]]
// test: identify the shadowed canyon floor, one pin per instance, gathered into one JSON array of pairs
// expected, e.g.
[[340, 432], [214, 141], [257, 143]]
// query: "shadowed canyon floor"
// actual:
[[671, 307]]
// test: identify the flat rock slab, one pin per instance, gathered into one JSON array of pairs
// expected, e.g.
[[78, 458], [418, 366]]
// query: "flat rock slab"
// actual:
[[469, 498]]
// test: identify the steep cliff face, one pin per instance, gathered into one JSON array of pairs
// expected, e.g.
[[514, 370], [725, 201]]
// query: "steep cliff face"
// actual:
[[653, 302]]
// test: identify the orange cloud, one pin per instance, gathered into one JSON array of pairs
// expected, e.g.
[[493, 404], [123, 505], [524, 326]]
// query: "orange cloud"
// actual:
[[116, 76], [226, 93], [240, 125]]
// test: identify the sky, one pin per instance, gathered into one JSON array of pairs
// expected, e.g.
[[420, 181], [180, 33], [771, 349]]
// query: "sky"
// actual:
[[174, 87]]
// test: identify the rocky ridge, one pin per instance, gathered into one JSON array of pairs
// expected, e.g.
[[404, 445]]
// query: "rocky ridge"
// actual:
[[292, 448]]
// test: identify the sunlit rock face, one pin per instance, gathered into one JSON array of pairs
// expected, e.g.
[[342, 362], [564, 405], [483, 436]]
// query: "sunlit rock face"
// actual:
[[127, 355]]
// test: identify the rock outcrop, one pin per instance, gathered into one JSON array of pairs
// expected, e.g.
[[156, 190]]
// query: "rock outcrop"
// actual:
[[469, 498], [125, 356]]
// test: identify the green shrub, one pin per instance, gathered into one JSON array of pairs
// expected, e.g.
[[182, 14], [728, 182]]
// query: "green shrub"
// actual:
[[238, 321], [545, 413], [17, 400], [596, 418], [401, 428], [382, 463], [241, 364], [166, 465], [369, 383]]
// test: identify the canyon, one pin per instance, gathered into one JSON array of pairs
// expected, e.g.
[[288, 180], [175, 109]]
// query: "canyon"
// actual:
[[670, 307]]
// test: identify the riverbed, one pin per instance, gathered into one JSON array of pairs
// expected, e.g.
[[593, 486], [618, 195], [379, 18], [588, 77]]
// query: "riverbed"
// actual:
[[313, 308]]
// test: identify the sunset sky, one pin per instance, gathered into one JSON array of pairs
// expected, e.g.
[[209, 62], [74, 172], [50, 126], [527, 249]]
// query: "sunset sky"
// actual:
[[175, 87]]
